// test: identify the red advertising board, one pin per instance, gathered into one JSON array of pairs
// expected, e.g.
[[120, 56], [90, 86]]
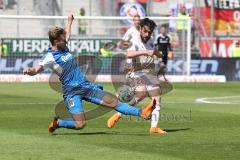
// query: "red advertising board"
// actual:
[[224, 20], [222, 48]]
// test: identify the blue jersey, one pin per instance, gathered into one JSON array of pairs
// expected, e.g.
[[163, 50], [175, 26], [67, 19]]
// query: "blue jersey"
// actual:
[[75, 86], [66, 67]]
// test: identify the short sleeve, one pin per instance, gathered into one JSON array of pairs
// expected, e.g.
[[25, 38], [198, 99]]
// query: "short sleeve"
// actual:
[[127, 36], [47, 60], [132, 48], [134, 42], [150, 44]]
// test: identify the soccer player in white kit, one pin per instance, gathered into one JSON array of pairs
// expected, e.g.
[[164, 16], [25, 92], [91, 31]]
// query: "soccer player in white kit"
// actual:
[[143, 73], [134, 30]]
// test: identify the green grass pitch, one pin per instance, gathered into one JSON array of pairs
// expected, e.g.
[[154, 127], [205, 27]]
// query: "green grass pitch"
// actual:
[[204, 131]]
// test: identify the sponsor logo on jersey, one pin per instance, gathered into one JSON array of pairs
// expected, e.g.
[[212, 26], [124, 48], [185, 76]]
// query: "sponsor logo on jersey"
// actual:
[[70, 103], [66, 58]]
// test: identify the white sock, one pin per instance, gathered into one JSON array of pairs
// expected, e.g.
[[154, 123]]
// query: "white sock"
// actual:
[[155, 116], [120, 114]]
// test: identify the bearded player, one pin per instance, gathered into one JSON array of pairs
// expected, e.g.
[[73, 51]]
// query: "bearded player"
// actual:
[[144, 60]]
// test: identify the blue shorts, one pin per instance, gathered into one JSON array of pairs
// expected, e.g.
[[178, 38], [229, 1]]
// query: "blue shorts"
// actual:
[[90, 92]]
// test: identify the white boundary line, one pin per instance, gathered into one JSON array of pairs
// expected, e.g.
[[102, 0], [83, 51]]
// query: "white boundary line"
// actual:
[[211, 100]]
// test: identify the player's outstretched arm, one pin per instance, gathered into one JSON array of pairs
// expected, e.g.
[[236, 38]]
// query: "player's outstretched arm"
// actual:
[[33, 70], [69, 26], [131, 54]]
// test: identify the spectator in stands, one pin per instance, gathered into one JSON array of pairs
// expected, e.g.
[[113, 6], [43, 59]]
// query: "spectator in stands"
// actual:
[[1, 4], [82, 23], [236, 50], [3, 48], [182, 25], [105, 51]]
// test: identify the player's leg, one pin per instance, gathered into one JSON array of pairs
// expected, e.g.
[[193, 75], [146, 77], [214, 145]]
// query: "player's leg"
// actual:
[[155, 92], [153, 87], [77, 121], [140, 93], [97, 96], [163, 66], [163, 71]]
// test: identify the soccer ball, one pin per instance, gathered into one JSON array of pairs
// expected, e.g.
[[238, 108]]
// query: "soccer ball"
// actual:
[[125, 93]]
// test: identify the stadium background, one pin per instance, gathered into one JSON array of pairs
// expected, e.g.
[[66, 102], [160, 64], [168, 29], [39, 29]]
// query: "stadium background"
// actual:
[[202, 119], [213, 34]]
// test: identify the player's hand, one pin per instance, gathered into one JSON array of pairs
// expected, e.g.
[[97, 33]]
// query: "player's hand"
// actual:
[[157, 53], [124, 45], [170, 54], [150, 53], [70, 18], [27, 71]]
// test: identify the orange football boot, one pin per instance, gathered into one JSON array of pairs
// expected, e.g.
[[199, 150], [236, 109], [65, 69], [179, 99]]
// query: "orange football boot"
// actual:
[[156, 130], [113, 120], [146, 111], [53, 125]]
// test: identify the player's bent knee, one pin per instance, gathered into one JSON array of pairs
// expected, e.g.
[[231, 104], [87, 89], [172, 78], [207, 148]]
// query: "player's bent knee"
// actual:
[[80, 124], [79, 120]]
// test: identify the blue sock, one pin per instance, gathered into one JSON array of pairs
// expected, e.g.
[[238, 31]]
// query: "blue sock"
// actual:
[[127, 110], [66, 123]]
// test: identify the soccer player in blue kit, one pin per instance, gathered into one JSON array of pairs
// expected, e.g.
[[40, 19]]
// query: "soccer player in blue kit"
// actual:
[[75, 86]]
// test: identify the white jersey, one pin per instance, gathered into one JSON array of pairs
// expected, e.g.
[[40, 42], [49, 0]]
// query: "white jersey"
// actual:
[[131, 32], [142, 64]]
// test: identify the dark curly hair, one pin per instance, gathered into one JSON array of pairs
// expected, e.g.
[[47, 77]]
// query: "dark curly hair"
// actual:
[[148, 22]]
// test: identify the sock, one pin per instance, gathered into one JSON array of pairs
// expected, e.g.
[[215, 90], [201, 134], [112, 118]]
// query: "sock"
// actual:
[[66, 123], [131, 103], [155, 116], [120, 114], [127, 109]]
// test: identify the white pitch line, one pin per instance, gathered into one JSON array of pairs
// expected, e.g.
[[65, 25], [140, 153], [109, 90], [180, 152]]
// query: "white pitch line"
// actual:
[[209, 100]]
